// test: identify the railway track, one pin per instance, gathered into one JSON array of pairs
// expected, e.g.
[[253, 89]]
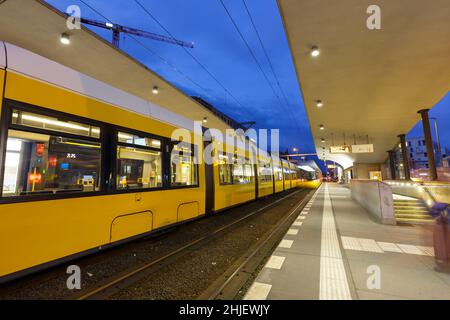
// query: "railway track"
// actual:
[[226, 284], [234, 282]]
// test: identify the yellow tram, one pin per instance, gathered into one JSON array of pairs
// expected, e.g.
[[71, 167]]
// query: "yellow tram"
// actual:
[[85, 166]]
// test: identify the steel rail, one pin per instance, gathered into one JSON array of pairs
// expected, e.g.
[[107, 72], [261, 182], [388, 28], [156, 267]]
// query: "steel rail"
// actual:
[[91, 294]]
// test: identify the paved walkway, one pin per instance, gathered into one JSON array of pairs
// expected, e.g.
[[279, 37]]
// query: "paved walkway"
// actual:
[[335, 250]]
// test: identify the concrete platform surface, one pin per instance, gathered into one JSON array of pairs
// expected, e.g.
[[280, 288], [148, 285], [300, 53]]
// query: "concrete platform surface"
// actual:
[[336, 251]]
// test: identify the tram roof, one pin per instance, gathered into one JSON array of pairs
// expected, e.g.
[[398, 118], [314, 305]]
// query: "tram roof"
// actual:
[[36, 26]]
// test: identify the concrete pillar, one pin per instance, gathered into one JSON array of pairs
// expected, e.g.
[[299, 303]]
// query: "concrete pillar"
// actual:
[[391, 163], [428, 143], [405, 156]]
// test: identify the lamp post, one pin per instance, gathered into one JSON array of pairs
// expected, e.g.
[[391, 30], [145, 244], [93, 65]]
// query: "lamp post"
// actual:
[[438, 140]]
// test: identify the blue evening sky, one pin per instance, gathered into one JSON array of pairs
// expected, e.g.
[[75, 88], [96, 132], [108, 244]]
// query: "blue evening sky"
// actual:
[[219, 47]]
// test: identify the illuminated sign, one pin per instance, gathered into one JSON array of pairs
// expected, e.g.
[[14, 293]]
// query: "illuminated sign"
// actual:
[[34, 177], [362, 148], [331, 166], [40, 149], [340, 149]]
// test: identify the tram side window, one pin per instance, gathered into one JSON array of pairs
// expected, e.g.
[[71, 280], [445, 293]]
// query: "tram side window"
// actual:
[[225, 171], [38, 163], [249, 174], [278, 173], [265, 172], [138, 168], [242, 172], [184, 169], [139, 162]]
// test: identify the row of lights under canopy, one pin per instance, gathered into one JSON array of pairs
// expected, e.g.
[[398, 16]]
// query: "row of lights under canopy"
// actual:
[[65, 39]]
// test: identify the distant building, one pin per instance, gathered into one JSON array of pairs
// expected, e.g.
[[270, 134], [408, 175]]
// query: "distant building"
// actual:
[[417, 152]]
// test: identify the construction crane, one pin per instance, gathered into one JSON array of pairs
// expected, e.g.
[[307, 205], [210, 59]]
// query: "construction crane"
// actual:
[[117, 29]]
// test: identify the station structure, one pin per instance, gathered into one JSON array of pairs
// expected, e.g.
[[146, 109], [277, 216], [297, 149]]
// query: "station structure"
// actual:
[[370, 236]]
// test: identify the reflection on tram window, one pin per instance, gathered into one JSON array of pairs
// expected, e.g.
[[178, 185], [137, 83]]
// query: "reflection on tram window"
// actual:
[[138, 168], [28, 119], [46, 164], [278, 173], [225, 170], [265, 171], [183, 168], [137, 140], [242, 171]]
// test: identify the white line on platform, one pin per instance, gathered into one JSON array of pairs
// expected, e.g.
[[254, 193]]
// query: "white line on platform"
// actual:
[[333, 279], [258, 291], [370, 245], [292, 232], [297, 224], [301, 217], [389, 247], [275, 262], [411, 249], [286, 243]]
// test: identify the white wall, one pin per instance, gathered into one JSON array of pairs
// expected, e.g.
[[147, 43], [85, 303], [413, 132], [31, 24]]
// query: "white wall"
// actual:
[[375, 197]]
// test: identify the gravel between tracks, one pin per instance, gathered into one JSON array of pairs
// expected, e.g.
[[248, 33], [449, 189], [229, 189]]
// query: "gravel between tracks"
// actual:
[[183, 279], [190, 275]]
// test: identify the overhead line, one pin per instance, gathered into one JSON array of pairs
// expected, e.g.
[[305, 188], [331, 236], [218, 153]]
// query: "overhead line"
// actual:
[[256, 60], [191, 55], [265, 53]]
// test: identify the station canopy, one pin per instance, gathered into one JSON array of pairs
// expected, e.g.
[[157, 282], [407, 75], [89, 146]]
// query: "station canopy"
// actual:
[[371, 82], [37, 27]]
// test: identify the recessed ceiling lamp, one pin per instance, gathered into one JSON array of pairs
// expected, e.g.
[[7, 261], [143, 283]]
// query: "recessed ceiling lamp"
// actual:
[[155, 90], [322, 140], [319, 103], [65, 39], [205, 120], [315, 52], [321, 127]]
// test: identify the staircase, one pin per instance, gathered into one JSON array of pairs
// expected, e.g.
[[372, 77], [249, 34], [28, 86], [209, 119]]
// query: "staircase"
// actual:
[[411, 211]]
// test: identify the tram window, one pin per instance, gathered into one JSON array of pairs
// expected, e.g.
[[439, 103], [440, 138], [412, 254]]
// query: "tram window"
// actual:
[[278, 173], [183, 167], [248, 173], [225, 170], [238, 171], [265, 172], [242, 171], [137, 140], [47, 164], [138, 168], [39, 121]]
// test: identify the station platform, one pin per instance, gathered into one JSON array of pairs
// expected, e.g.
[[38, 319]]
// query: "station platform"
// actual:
[[335, 250]]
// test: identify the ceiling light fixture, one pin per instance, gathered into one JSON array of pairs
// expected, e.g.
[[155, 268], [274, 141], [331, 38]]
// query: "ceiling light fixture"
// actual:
[[315, 52], [205, 120], [65, 39], [319, 103], [321, 127], [155, 90]]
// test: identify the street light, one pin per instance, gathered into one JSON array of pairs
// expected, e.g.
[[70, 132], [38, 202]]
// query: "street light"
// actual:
[[438, 141]]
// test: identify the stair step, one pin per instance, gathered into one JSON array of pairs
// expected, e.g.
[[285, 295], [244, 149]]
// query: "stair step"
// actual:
[[408, 203], [411, 211], [413, 215], [411, 220], [410, 208]]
